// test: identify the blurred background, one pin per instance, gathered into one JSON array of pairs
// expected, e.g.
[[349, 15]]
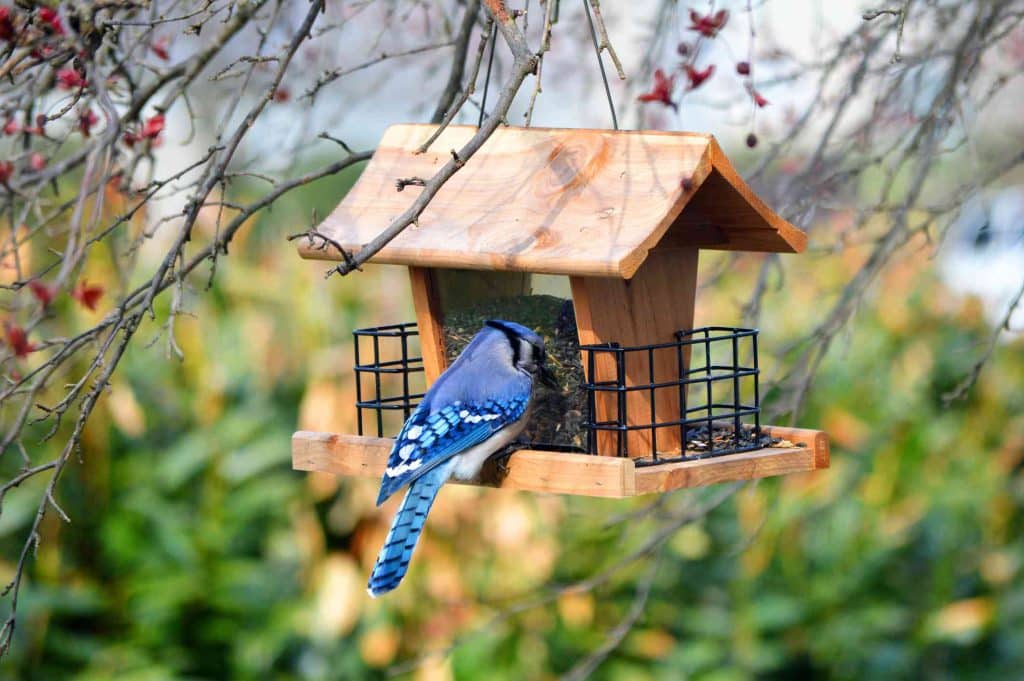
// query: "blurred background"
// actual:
[[194, 551]]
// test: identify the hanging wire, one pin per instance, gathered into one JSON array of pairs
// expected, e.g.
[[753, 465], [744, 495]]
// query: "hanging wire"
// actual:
[[600, 63], [487, 78]]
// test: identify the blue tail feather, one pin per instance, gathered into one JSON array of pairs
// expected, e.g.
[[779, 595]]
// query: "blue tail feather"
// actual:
[[393, 560]]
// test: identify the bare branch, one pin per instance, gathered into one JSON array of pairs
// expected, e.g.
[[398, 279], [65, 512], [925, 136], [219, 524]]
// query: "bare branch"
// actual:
[[605, 45], [454, 84], [525, 63], [968, 382]]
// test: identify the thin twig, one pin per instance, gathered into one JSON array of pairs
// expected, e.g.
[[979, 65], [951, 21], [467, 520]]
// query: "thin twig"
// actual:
[[525, 63], [588, 665], [604, 44], [972, 376], [467, 91], [452, 87]]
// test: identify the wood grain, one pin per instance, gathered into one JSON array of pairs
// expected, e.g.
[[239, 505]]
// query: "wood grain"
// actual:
[[814, 439], [647, 309], [429, 316], [579, 474], [762, 463], [750, 213], [527, 470], [557, 201]]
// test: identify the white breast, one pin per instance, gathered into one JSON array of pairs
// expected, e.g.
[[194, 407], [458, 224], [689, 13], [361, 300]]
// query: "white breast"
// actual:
[[469, 462]]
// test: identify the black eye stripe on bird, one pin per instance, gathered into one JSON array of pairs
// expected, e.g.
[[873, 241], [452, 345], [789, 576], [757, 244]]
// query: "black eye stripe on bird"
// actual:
[[473, 410]]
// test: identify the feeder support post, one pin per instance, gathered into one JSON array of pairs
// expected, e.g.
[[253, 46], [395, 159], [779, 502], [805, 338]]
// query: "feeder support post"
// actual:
[[649, 308]]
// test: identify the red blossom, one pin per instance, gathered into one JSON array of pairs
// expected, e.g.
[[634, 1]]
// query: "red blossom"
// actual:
[[696, 77], [757, 97], [42, 292], [51, 19], [743, 68], [153, 126], [11, 127], [6, 25], [281, 94], [87, 294], [86, 120], [70, 78], [17, 339], [6, 170], [37, 161], [159, 47], [130, 138], [709, 24], [661, 91]]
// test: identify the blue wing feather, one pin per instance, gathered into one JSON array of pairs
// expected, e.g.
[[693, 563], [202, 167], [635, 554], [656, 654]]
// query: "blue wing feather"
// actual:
[[428, 439]]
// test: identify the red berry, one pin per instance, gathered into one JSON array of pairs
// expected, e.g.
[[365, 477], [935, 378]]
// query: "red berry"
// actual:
[[6, 25], [86, 120]]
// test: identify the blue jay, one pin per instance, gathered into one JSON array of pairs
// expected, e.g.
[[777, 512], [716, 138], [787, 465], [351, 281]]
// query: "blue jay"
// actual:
[[476, 408]]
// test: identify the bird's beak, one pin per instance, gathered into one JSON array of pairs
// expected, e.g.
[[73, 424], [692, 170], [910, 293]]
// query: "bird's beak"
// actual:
[[548, 378]]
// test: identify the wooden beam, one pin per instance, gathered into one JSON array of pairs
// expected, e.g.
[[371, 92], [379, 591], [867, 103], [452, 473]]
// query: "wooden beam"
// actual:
[[762, 463], [647, 309], [805, 437], [810, 453], [527, 470], [578, 474], [429, 320]]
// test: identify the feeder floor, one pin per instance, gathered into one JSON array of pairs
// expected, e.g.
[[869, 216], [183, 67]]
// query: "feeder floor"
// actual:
[[580, 474]]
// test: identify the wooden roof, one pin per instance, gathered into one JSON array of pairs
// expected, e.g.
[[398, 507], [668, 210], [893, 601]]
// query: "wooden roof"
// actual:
[[557, 201]]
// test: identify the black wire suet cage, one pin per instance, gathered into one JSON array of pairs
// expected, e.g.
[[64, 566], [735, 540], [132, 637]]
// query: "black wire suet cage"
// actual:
[[716, 379]]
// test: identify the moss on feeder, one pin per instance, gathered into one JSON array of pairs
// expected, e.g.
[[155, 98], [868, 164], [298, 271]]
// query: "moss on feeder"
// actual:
[[557, 416]]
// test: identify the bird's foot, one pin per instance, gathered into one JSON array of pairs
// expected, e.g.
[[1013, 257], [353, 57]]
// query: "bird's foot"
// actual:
[[502, 457]]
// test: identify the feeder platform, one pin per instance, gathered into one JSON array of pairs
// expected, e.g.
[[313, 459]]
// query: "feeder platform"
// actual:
[[612, 477]]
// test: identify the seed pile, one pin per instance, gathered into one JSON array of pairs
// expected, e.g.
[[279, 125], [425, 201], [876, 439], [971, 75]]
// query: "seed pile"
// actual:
[[722, 437]]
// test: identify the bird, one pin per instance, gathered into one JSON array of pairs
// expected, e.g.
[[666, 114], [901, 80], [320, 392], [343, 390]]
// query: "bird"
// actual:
[[476, 408]]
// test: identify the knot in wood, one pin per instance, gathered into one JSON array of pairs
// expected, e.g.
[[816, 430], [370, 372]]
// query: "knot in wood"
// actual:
[[574, 162]]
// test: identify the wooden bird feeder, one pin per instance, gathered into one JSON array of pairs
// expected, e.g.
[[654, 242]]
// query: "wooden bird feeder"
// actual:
[[618, 217]]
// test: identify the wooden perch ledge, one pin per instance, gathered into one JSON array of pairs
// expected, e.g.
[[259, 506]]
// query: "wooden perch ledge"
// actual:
[[580, 474]]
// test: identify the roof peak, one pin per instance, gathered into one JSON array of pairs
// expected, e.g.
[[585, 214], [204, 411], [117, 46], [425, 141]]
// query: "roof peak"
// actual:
[[556, 200]]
